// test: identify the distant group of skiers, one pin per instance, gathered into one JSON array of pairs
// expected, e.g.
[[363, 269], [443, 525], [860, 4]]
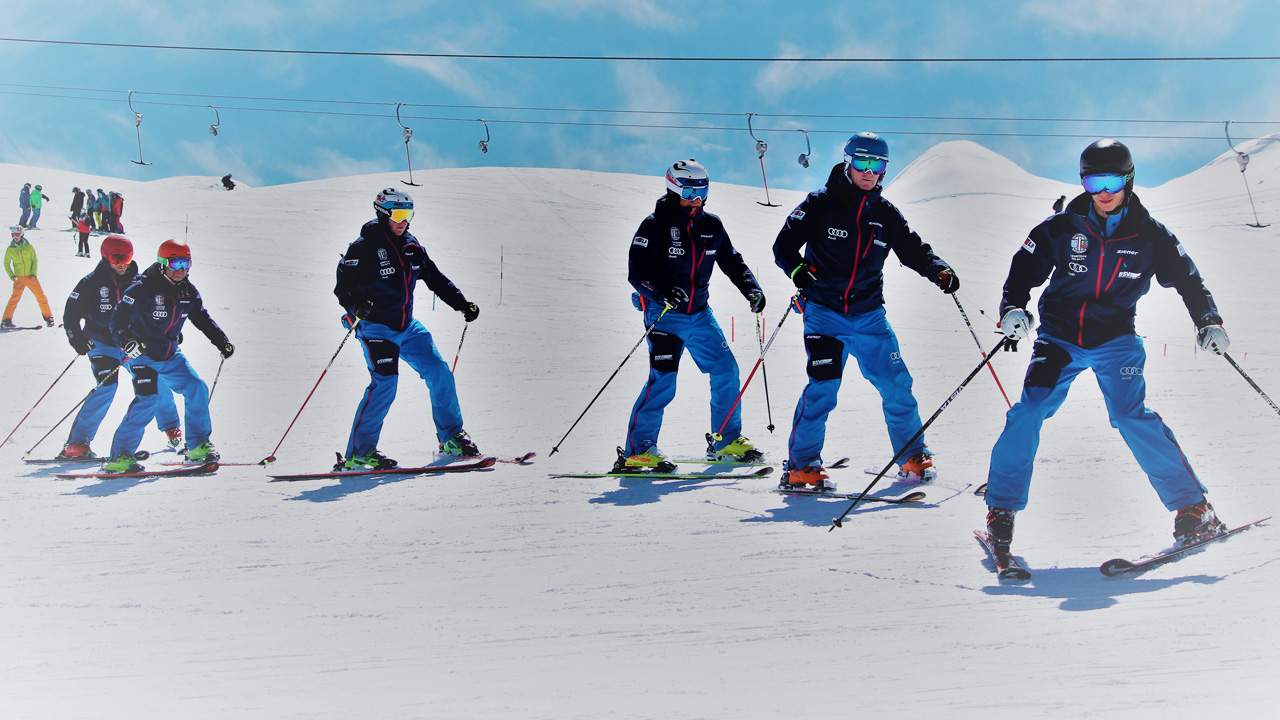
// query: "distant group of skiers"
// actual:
[[100, 212], [1099, 252]]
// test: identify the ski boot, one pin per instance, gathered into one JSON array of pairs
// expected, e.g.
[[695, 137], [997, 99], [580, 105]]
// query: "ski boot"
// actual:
[[813, 478], [174, 437], [76, 451], [6, 323], [741, 450], [918, 469], [203, 453], [372, 460], [48, 321], [1196, 522], [460, 445], [121, 465], [1000, 528], [651, 460]]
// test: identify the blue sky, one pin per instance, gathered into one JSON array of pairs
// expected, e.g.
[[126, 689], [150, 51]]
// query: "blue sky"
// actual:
[[266, 148]]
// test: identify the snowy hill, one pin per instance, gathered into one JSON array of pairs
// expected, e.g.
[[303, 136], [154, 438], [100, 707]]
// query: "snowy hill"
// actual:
[[509, 594]]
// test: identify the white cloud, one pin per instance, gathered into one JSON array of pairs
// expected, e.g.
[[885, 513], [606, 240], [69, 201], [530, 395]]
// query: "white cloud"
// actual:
[[213, 157], [646, 13], [1185, 23], [328, 163], [776, 80]]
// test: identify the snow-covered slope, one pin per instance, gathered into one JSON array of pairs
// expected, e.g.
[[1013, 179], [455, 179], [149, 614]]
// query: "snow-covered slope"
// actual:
[[508, 594]]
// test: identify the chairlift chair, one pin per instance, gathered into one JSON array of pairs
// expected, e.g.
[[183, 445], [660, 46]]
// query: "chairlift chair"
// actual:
[[408, 136]]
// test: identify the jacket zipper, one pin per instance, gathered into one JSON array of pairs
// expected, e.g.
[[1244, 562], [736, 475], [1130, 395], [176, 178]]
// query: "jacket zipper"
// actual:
[[857, 253]]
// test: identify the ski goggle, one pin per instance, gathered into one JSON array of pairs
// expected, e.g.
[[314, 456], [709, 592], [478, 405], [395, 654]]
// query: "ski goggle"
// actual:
[[119, 258], [1109, 182], [692, 193], [400, 214], [866, 163], [175, 263]]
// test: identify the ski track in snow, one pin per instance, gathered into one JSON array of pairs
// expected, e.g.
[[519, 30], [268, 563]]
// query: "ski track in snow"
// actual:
[[506, 593]]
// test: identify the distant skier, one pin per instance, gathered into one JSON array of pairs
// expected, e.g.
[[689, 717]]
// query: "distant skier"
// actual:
[[671, 259], [227, 182], [847, 230], [147, 325], [1057, 204], [87, 321], [1099, 256], [83, 228], [21, 264], [117, 212], [77, 204], [375, 283], [103, 208], [24, 204], [37, 200]]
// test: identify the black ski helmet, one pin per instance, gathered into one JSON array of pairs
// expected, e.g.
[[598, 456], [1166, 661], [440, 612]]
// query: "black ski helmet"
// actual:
[[1106, 156]]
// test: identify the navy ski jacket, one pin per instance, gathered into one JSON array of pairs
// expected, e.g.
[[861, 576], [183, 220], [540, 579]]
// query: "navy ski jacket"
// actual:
[[671, 249], [153, 311], [381, 267], [847, 234], [93, 302], [1096, 280]]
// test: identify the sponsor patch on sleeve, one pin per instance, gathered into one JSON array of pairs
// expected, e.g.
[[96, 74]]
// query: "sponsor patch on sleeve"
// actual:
[[127, 300], [1182, 252], [75, 295], [1029, 245], [797, 214], [640, 241]]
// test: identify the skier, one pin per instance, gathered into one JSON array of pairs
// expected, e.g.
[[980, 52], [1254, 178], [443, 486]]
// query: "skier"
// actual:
[[21, 264], [87, 320], [1100, 256], [77, 204], [117, 212], [147, 325], [83, 227], [38, 199], [1059, 203], [24, 204], [668, 267], [375, 283], [228, 183], [847, 229], [103, 208]]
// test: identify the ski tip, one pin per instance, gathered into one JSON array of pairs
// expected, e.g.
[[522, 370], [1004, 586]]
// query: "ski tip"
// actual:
[[1014, 575], [1117, 566]]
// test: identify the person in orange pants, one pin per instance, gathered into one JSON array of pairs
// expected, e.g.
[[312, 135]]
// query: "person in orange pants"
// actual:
[[20, 263]]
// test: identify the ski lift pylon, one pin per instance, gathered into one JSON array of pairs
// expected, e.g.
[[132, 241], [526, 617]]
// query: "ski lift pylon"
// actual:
[[484, 144], [1242, 159], [761, 148], [408, 136], [217, 122], [808, 149], [137, 129]]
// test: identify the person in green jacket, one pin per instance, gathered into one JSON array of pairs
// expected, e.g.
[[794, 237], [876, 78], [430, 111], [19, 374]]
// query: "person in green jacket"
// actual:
[[37, 204], [21, 264]]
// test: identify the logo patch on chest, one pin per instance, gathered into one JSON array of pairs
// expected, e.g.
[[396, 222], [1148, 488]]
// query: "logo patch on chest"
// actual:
[[1079, 244]]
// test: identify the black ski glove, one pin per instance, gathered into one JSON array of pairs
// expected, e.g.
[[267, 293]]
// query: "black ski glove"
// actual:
[[676, 297], [470, 312], [947, 280], [133, 349], [363, 309], [81, 344], [227, 349], [755, 298], [803, 277]]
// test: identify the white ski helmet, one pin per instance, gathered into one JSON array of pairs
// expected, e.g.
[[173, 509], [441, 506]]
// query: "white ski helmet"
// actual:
[[392, 199], [688, 179]]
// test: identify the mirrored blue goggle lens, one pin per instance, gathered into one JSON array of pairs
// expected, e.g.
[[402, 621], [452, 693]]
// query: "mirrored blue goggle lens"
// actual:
[[1112, 183], [863, 163], [689, 193], [176, 263]]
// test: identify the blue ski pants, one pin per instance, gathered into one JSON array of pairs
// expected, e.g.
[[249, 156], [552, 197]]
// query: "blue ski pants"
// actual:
[[105, 362], [178, 375], [35, 218], [701, 334], [383, 349], [1118, 365], [829, 337]]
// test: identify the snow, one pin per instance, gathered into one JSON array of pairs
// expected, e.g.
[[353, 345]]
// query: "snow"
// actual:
[[509, 594]]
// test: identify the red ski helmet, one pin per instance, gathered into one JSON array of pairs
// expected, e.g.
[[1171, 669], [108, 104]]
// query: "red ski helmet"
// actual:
[[176, 253], [117, 249]]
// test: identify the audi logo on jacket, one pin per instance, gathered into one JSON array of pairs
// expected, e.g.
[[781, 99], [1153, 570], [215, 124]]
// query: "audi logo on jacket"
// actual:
[[1097, 280], [381, 267], [153, 310], [846, 234], [673, 248], [93, 302]]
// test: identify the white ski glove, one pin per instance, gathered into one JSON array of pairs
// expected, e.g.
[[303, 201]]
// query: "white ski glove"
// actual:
[[1016, 324], [1213, 338]]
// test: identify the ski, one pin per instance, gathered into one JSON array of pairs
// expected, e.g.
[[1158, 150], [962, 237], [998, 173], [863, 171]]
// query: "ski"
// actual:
[[16, 328], [917, 496], [900, 477], [95, 460], [1120, 566], [525, 459], [759, 472], [837, 465], [481, 464], [1009, 568], [201, 469]]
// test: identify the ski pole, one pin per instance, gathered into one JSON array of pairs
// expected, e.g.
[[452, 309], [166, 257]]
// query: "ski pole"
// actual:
[[1252, 384], [764, 372], [42, 397], [215, 380], [647, 330], [974, 335], [454, 369], [986, 358], [759, 361], [272, 457], [83, 400]]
